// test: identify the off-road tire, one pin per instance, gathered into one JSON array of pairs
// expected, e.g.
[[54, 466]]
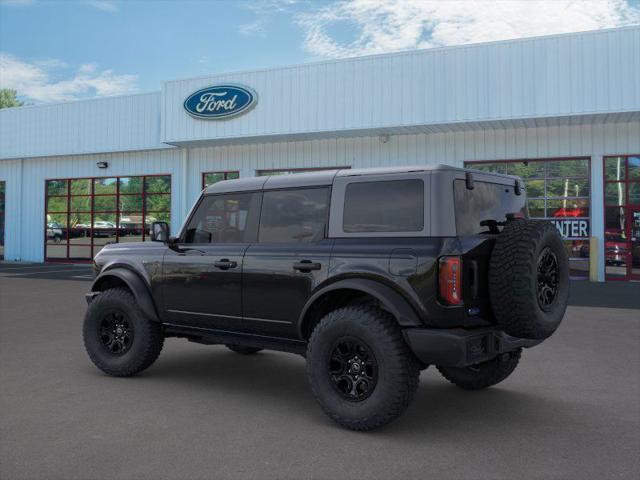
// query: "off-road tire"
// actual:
[[241, 349], [514, 279], [146, 344], [397, 369], [483, 375]]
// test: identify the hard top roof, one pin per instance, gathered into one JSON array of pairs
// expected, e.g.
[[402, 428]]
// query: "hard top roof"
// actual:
[[323, 177]]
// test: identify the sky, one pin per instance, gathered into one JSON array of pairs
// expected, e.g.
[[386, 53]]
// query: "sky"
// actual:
[[59, 50]]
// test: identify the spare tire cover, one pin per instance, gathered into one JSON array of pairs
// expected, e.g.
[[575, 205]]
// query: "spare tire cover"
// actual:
[[529, 279]]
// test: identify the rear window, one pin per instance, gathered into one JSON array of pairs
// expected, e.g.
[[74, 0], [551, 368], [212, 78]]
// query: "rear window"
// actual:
[[487, 201], [384, 206]]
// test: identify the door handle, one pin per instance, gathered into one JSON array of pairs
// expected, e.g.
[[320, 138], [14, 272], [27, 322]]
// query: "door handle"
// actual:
[[225, 264], [306, 266]]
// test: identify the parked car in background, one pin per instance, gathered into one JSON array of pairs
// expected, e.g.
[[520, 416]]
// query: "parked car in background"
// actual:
[[615, 249], [55, 232], [103, 228]]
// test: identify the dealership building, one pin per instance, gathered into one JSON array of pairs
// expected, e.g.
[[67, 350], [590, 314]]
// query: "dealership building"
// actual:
[[561, 111]]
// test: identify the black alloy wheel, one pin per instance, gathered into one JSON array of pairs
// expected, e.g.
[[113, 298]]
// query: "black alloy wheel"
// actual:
[[120, 339], [116, 333], [361, 370], [548, 274], [353, 369]]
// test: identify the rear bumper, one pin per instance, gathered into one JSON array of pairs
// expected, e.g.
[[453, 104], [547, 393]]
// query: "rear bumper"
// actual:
[[457, 347]]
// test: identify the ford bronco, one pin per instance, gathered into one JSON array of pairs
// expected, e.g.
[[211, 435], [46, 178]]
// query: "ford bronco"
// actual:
[[372, 275]]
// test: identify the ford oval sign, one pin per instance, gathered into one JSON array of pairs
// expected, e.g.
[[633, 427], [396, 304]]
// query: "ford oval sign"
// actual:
[[220, 101]]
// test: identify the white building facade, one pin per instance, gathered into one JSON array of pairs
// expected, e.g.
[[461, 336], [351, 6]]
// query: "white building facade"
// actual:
[[561, 111]]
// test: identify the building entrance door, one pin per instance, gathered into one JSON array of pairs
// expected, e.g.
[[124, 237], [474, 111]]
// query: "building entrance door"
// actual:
[[2, 187], [634, 243], [622, 217]]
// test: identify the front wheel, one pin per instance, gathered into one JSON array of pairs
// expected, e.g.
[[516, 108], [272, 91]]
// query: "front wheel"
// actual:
[[361, 371], [483, 375], [118, 337]]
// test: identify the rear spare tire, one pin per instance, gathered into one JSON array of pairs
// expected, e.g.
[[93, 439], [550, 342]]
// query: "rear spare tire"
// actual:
[[529, 279]]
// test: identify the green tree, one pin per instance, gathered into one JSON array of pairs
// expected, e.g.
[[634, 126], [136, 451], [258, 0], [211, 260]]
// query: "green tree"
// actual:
[[8, 98]]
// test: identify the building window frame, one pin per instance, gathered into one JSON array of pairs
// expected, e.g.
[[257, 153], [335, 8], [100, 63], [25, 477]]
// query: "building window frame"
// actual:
[[627, 207], [224, 173], [91, 246]]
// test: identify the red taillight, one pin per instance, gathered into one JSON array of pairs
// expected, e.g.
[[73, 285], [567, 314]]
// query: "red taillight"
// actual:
[[450, 280]]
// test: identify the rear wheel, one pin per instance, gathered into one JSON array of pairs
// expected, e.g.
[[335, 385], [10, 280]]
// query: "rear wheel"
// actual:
[[242, 349], [118, 337], [483, 375], [359, 367]]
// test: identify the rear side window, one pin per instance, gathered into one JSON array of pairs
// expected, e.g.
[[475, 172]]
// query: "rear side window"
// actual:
[[487, 201], [231, 218], [384, 206], [294, 216]]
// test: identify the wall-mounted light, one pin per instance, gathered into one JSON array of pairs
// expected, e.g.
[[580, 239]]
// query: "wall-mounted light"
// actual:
[[384, 138], [102, 164]]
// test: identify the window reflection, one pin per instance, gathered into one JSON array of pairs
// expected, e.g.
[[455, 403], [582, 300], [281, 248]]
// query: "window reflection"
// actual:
[[614, 193], [557, 190], [85, 214], [209, 178], [229, 218], [614, 168]]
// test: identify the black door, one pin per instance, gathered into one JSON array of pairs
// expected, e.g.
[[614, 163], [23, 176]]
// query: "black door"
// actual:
[[202, 272], [290, 259]]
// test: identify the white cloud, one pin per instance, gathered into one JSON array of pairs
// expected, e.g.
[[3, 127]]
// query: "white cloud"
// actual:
[[269, 6], [390, 25], [36, 81], [252, 29], [87, 68], [104, 5], [51, 63]]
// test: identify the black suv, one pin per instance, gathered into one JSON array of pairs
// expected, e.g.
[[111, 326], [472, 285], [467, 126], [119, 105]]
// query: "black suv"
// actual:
[[371, 274]]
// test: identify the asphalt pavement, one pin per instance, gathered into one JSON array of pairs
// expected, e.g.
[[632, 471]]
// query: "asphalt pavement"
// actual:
[[571, 409]]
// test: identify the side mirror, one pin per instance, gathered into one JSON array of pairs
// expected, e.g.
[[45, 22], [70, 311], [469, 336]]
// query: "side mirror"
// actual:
[[160, 232]]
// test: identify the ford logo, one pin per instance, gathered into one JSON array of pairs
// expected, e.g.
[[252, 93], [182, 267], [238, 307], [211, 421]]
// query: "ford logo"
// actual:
[[220, 101]]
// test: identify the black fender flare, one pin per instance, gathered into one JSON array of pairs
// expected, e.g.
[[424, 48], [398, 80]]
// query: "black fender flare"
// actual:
[[395, 303], [137, 286]]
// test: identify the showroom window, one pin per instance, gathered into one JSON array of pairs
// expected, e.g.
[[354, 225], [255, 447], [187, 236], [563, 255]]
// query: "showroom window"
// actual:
[[264, 173], [209, 178], [622, 217], [2, 210], [558, 190], [84, 214]]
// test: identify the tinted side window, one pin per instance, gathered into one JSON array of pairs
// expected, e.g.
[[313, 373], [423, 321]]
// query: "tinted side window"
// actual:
[[487, 201], [294, 216], [231, 218], [384, 206]]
